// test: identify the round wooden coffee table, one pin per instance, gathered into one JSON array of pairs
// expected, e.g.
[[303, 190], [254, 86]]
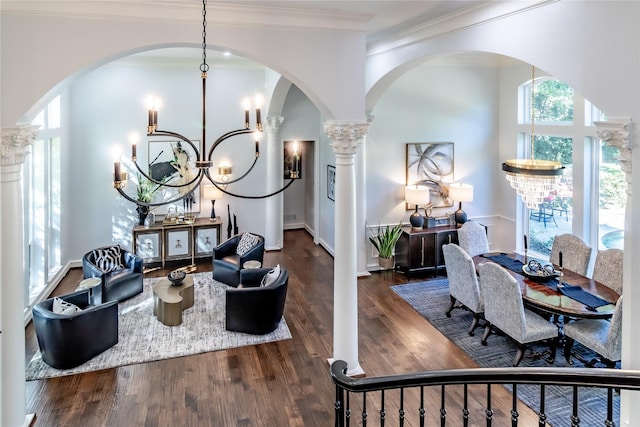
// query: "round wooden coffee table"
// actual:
[[169, 301]]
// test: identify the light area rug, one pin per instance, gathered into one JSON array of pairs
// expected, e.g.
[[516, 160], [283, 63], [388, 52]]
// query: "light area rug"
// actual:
[[143, 338], [431, 299]]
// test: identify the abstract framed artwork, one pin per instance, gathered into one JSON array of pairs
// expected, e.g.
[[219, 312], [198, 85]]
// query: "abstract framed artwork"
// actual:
[[174, 162], [431, 164], [331, 182]]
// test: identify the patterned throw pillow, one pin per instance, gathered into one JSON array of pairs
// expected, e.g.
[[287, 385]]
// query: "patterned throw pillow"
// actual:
[[108, 259], [246, 243], [271, 276], [61, 306]]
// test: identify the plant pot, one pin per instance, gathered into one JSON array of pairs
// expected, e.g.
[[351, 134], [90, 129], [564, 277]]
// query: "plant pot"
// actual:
[[386, 263], [143, 211]]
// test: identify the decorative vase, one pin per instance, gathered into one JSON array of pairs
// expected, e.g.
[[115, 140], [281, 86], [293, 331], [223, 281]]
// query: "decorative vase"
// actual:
[[386, 263], [143, 211]]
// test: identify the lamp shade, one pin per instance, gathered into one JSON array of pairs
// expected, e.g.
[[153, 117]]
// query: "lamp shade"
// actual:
[[461, 192], [210, 192], [416, 194]]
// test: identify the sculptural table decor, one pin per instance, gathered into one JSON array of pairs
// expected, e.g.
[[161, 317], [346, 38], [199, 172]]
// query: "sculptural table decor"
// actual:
[[170, 301]]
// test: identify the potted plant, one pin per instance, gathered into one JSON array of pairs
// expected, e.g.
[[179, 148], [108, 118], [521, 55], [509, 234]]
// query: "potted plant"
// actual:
[[385, 242], [144, 191]]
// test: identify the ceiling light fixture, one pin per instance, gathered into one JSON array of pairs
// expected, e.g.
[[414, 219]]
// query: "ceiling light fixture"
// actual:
[[532, 179], [186, 182]]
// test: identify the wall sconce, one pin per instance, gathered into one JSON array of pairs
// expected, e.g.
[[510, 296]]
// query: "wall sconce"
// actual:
[[225, 173], [460, 193], [211, 192], [416, 195]]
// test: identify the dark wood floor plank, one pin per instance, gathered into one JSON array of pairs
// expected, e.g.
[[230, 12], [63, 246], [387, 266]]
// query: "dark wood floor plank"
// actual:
[[285, 383]]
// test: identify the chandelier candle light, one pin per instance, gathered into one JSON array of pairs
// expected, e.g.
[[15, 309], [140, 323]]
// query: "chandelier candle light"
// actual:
[[532, 179], [187, 184]]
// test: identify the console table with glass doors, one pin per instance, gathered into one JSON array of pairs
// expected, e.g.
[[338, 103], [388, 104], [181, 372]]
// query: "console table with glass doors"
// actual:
[[167, 242]]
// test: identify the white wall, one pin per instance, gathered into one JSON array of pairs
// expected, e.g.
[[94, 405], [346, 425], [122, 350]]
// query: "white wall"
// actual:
[[302, 123], [435, 102]]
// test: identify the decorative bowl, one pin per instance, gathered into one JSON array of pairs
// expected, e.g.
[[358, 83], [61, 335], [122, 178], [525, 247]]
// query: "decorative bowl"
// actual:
[[534, 270], [176, 277]]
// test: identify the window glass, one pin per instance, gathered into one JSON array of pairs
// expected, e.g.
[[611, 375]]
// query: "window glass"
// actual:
[[612, 203]]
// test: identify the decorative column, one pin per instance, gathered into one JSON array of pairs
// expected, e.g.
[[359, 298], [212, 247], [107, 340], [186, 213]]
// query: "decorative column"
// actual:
[[273, 239], [616, 132], [361, 205], [345, 137], [13, 150]]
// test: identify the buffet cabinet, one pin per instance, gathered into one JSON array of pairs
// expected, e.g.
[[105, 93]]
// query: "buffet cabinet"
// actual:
[[162, 242], [421, 250]]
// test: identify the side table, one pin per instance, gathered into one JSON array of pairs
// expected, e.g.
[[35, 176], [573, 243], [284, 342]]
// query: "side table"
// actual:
[[94, 284], [169, 301]]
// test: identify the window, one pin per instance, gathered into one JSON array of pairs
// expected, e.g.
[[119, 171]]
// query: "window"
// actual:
[[41, 191], [560, 137]]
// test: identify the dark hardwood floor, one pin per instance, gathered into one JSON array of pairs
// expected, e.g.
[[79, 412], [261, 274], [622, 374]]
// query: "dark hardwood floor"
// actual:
[[286, 383]]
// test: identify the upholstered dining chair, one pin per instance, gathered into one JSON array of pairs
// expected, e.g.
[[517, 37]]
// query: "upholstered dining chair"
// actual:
[[472, 237], [600, 335], [608, 269], [463, 283], [575, 253], [504, 310]]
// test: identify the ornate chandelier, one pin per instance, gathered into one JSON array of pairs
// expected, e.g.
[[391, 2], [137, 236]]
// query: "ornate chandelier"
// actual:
[[182, 177], [532, 179]]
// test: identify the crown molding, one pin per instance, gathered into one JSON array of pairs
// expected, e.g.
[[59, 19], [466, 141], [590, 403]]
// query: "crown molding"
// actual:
[[469, 17], [186, 11]]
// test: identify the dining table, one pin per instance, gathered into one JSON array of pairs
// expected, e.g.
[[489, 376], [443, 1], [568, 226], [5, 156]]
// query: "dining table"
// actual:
[[570, 294]]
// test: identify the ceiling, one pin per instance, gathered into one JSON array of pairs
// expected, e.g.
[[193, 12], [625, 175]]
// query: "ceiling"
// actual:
[[380, 17]]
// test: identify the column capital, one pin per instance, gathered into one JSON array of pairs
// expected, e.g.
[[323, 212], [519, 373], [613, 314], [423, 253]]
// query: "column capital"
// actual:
[[14, 143], [273, 125], [345, 136], [616, 132]]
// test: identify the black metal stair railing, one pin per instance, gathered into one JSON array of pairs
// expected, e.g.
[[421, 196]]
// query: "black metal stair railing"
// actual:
[[575, 378]]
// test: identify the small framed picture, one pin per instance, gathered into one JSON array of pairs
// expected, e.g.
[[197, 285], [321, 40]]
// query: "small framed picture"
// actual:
[[331, 182]]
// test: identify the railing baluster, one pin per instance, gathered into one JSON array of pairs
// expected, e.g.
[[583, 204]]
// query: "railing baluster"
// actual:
[[575, 419], [383, 412], [465, 408], [347, 414], [609, 421], [542, 417], [489, 411], [339, 407], [364, 409], [401, 410], [443, 411], [422, 411], [514, 407]]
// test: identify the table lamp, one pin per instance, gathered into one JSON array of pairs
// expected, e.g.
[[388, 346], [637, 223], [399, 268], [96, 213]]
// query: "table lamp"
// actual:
[[211, 192], [416, 195], [460, 193]]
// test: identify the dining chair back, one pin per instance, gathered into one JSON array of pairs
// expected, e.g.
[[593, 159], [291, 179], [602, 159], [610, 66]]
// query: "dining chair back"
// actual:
[[608, 269], [463, 283], [472, 237], [504, 309], [575, 253], [600, 335]]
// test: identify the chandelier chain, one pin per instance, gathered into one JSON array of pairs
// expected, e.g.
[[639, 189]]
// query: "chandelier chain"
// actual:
[[204, 67]]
